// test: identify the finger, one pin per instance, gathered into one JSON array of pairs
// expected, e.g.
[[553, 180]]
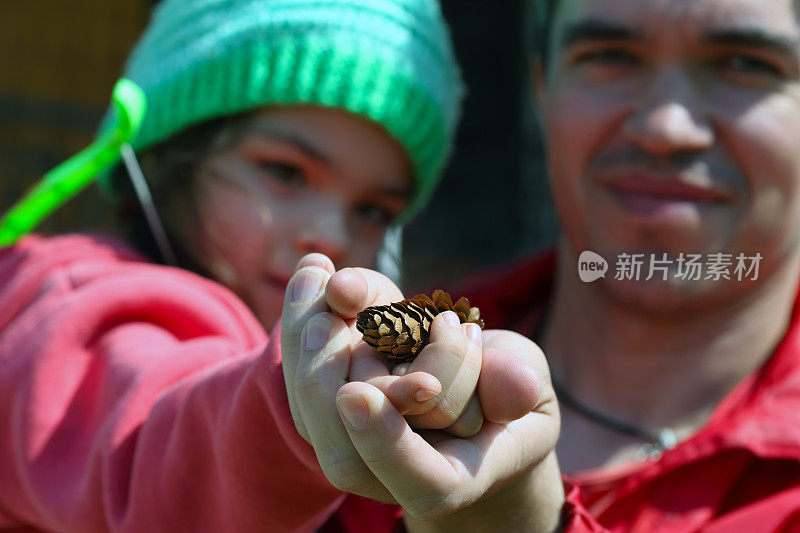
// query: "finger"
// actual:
[[322, 369], [470, 421], [410, 468], [522, 347], [351, 290], [508, 387], [528, 382], [453, 356], [429, 481], [303, 299], [316, 259], [401, 369], [366, 363], [411, 394]]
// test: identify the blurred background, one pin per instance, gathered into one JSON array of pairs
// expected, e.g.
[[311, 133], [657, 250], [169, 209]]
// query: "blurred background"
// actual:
[[61, 59]]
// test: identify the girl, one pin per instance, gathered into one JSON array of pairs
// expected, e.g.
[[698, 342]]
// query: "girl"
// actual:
[[138, 397], [279, 128]]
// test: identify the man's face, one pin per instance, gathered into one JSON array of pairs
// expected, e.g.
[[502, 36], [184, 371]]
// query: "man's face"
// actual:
[[673, 126]]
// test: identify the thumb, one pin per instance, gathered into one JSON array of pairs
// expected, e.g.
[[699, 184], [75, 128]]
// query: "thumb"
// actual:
[[508, 387]]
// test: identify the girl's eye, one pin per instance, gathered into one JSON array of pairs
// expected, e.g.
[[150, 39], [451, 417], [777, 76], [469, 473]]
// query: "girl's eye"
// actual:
[[284, 173], [375, 214]]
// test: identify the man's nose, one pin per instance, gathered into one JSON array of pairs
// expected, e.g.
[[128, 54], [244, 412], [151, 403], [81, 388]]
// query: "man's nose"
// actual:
[[670, 118], [325, 231]]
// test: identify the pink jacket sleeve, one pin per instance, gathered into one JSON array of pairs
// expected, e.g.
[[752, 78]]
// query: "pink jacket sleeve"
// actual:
[[135, 397]]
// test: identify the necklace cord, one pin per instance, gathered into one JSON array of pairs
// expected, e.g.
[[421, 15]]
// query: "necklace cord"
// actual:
[[653, 438]]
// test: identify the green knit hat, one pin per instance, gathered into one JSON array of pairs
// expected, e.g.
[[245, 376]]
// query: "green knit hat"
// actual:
[[388, 60]]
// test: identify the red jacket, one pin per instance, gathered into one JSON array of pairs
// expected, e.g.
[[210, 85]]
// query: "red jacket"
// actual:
[[135, 397], [740, 472]]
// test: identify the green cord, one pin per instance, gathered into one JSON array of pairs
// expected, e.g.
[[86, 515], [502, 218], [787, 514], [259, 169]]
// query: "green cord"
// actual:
[[74, 174]]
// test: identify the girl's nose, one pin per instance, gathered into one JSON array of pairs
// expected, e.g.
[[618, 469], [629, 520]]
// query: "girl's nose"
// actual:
[[325, 231]]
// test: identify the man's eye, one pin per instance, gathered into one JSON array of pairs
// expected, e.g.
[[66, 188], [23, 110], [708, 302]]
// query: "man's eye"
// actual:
[[742, 64], [375, 214], [284, 173], [606, 56]]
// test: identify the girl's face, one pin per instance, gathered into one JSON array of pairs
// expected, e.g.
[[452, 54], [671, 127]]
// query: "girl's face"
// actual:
[[296, 180]]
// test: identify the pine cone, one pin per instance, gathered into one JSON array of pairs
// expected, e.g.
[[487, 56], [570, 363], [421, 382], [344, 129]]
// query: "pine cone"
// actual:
[[400, 330]]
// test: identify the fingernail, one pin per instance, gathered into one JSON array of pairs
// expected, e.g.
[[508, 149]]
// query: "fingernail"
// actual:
[[300, 264], [451, 318], [354, 410], [423, 395], [401, 369], [305, 286], [474, 333], [317, 331]]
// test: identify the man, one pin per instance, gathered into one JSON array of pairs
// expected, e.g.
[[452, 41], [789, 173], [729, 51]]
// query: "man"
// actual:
[[672, 129]]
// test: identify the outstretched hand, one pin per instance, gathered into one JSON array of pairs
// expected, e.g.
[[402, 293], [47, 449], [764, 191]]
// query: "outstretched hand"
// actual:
[[347, 403]]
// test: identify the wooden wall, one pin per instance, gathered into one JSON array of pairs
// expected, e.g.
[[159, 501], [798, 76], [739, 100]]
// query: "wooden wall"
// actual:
[[60, 61]]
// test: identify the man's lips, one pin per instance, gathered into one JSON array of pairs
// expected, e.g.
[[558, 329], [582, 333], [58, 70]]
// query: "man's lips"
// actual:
[[663, 188]]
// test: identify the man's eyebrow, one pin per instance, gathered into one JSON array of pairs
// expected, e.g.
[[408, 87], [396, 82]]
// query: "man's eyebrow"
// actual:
[[595, 29], [755, 37]]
